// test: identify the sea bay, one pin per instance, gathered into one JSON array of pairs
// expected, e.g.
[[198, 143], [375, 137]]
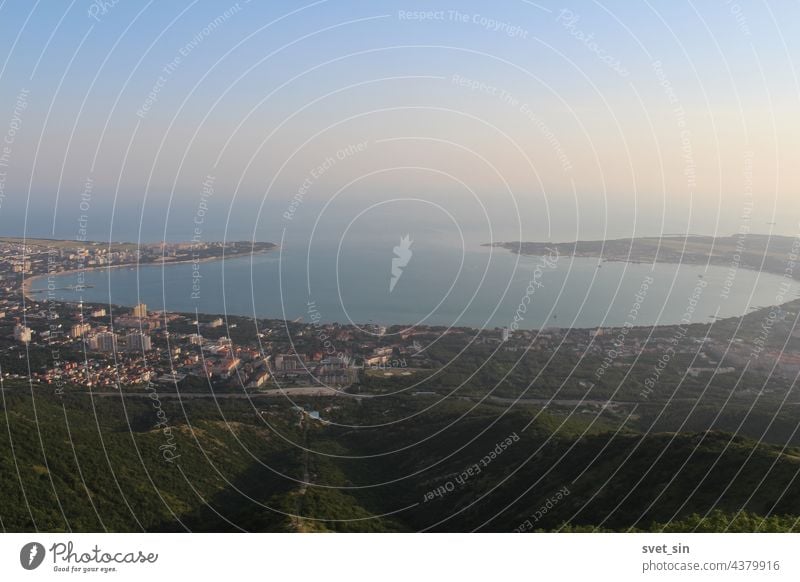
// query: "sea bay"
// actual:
[[474, 286]]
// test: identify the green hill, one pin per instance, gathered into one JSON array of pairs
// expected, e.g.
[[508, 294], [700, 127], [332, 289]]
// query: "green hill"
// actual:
[[92, 464]]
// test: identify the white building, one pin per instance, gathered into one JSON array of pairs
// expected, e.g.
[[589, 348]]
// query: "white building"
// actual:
[[105, 341], [22, 333], [138, 342], [79, 330]]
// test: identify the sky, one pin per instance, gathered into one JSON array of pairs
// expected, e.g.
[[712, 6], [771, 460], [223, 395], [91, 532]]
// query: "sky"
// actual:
[[545, 121]]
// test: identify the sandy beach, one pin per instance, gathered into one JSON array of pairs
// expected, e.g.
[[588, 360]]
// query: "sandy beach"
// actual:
[[31, 294]]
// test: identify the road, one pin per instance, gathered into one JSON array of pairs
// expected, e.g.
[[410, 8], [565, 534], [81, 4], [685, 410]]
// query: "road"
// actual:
[[298, 391], [327, 391]]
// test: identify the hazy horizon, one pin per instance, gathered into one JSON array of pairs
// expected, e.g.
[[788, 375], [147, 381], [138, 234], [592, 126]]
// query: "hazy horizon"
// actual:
[[562, 122]]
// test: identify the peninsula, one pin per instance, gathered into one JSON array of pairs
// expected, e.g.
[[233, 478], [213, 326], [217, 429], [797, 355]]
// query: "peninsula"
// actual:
[[33, 258], [759, 252]]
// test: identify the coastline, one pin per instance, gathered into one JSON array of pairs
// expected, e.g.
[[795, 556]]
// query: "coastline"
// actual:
[[724, 252], [36, 295], [27, 283]]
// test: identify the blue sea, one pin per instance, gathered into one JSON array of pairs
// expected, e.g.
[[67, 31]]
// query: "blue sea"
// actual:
[[436, 283]]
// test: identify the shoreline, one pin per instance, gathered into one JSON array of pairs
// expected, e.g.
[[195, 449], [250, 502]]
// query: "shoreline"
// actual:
[[31, 296], [27, 283], [723, 251]]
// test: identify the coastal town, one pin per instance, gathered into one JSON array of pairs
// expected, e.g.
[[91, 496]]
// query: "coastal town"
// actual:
[[92, 346]]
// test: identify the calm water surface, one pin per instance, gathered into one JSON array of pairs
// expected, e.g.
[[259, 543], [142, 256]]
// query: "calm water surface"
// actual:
[[441, 284]]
